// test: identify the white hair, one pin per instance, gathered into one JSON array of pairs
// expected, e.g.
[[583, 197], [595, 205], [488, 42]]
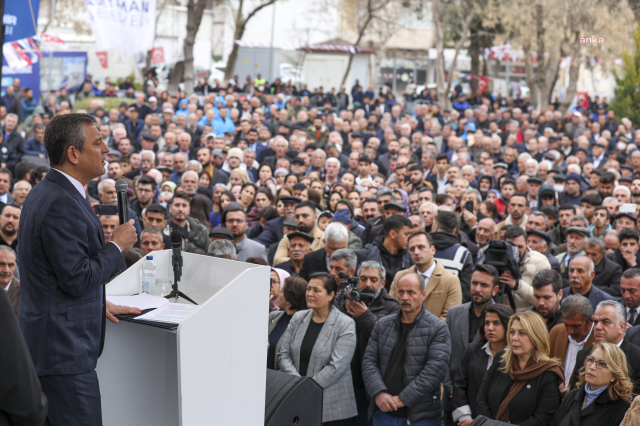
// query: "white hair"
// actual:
[[467, 167], [525, 155], [623, 188], [195, 163], [101, 184], [187, 173], [333, 160], [146, 151], [321, 152], [185, 133], [282, 140], [621, 312], [428, 204], [335, 232]]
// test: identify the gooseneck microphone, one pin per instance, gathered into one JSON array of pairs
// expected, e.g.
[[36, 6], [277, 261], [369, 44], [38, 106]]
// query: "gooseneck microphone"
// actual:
[[123, 208]]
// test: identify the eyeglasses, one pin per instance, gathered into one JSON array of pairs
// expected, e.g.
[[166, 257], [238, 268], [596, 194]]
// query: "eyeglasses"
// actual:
[[235, 220], [600, 364]]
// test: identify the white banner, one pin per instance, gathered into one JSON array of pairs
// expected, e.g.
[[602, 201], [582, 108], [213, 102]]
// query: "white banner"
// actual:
[[127, 25]]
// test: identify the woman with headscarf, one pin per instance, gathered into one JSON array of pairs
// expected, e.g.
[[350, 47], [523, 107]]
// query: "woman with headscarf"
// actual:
[[522, 385], [277, 281]]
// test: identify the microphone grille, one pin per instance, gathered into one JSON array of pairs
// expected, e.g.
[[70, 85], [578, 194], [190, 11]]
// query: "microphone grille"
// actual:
[[121, 185], [176, 237]]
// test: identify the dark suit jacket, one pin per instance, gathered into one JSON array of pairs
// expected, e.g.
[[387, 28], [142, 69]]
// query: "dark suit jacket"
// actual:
[[12, 150], [633, 362], [468, 379], [316, 262], [633, 333], [607, 279], [14, 295], [271, 232], [62, 306], [595, 295], [601, 412], [535, 404], [22, 402]]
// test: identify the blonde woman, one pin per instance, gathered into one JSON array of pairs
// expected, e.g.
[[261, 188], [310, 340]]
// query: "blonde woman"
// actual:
[[237, 177], [603, 392], [522, 384]]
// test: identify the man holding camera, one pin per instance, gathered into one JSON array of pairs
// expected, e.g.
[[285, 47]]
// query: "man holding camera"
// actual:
[[371, 281]]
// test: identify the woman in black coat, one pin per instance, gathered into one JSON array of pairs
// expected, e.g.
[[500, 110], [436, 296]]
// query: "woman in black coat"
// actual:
[[603, 392], [476, 361], [522, 385]]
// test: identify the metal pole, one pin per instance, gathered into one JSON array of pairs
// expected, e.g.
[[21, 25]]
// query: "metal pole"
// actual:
[[1, 35], [273, 27], [53, 12], [395, 70]]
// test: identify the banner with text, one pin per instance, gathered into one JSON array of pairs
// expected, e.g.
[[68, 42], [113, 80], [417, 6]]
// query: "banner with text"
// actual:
[[127, 25], [20, 19]]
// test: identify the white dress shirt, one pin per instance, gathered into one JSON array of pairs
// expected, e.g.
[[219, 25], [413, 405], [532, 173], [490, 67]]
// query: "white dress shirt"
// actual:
[[570, 359], [77, 185], [8, 285], [427, 274]]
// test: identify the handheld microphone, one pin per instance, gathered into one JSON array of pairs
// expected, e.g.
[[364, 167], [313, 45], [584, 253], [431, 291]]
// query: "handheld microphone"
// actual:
[[123, 209], [176, 258]]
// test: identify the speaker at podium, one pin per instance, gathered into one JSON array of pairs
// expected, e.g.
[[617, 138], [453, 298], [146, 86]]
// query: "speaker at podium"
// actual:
[[210, 370], [292, 400]]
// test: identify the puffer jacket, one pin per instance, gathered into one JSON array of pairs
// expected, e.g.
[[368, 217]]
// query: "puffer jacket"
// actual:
[[427, 361], [532, 263], [391, 262]]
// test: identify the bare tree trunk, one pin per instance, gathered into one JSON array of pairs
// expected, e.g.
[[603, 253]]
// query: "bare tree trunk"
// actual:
[[194, 18], [241, 25], [475, 72], [574, 71], [443, 96], [176, 77]]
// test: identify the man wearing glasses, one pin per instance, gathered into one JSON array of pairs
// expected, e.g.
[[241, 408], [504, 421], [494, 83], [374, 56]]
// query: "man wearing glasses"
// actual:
[[235, 220], [371, 276], [610, 325]]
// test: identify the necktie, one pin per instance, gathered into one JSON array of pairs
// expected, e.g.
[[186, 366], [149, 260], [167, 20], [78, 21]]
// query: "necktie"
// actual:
[[632, 316]]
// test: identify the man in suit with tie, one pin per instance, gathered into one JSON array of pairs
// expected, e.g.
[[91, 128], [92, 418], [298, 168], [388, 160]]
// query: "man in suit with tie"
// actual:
[[464, 321], [630, 289], [62, 301]]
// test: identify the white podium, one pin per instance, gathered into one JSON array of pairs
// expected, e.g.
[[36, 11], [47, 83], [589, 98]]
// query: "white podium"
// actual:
[[211, 370]]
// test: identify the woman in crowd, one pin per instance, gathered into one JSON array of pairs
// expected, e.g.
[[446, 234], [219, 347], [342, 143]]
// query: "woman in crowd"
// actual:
[[291, 180], [247, 196], [281, 175], [603, 393], [265, 171], [291, 299], [217, 209], [488, 209], [522, 384], [320, 343], [200, 209], [348, 179], [277, 280], [238, 177], [204, 179], [476, 361], [263, 199], [354, 198], [334, 197]]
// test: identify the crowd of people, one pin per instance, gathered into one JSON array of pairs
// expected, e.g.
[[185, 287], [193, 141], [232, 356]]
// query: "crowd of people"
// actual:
[[492, 250]]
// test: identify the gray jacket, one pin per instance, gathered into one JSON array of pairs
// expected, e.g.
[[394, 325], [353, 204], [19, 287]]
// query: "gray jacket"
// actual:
[[428, 353], [249, 248], [198, 233], [330, 363], [274, 319], [458, 324]]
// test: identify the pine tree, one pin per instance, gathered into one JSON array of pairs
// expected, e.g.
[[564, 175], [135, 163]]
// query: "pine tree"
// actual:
[[627, 92]]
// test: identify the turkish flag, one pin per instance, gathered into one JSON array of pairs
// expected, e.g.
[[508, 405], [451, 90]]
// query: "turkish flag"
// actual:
[[103, 57], [583, 99], [157, 55], [483, 84]]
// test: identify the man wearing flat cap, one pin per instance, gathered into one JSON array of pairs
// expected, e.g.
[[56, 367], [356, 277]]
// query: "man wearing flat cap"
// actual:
[[576, 242], [299, 246], [305, 216], [572, 190]]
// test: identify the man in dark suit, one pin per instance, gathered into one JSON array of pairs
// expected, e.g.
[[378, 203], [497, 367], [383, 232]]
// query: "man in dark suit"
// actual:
[[8, 282], [581, 273], [630, 288], [608, 272], [23, 401], [11, 143], [62, 301], [272, 231], [335, 237], [609, 325]]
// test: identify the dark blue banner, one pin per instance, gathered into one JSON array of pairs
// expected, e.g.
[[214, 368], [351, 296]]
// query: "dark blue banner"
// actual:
[[19, 19]]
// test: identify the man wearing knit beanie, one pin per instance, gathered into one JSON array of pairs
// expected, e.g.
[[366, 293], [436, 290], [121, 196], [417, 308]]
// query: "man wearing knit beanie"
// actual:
[[571, 194]]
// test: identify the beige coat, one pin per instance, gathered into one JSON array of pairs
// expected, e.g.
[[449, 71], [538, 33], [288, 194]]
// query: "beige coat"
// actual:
[[443, 290], [508, 221], [282, 253], [533, 263]]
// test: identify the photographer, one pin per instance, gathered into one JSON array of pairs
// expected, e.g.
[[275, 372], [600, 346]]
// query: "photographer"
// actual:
[[371, 281], [531, 262]]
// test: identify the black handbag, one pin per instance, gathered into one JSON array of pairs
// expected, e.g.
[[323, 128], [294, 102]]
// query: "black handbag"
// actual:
[[486, 421]]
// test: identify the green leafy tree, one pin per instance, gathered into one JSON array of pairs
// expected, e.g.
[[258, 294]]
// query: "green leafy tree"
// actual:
[[627, 91]]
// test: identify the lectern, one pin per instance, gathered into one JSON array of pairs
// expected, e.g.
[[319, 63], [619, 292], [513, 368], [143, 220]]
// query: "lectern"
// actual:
[[211, 370]]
